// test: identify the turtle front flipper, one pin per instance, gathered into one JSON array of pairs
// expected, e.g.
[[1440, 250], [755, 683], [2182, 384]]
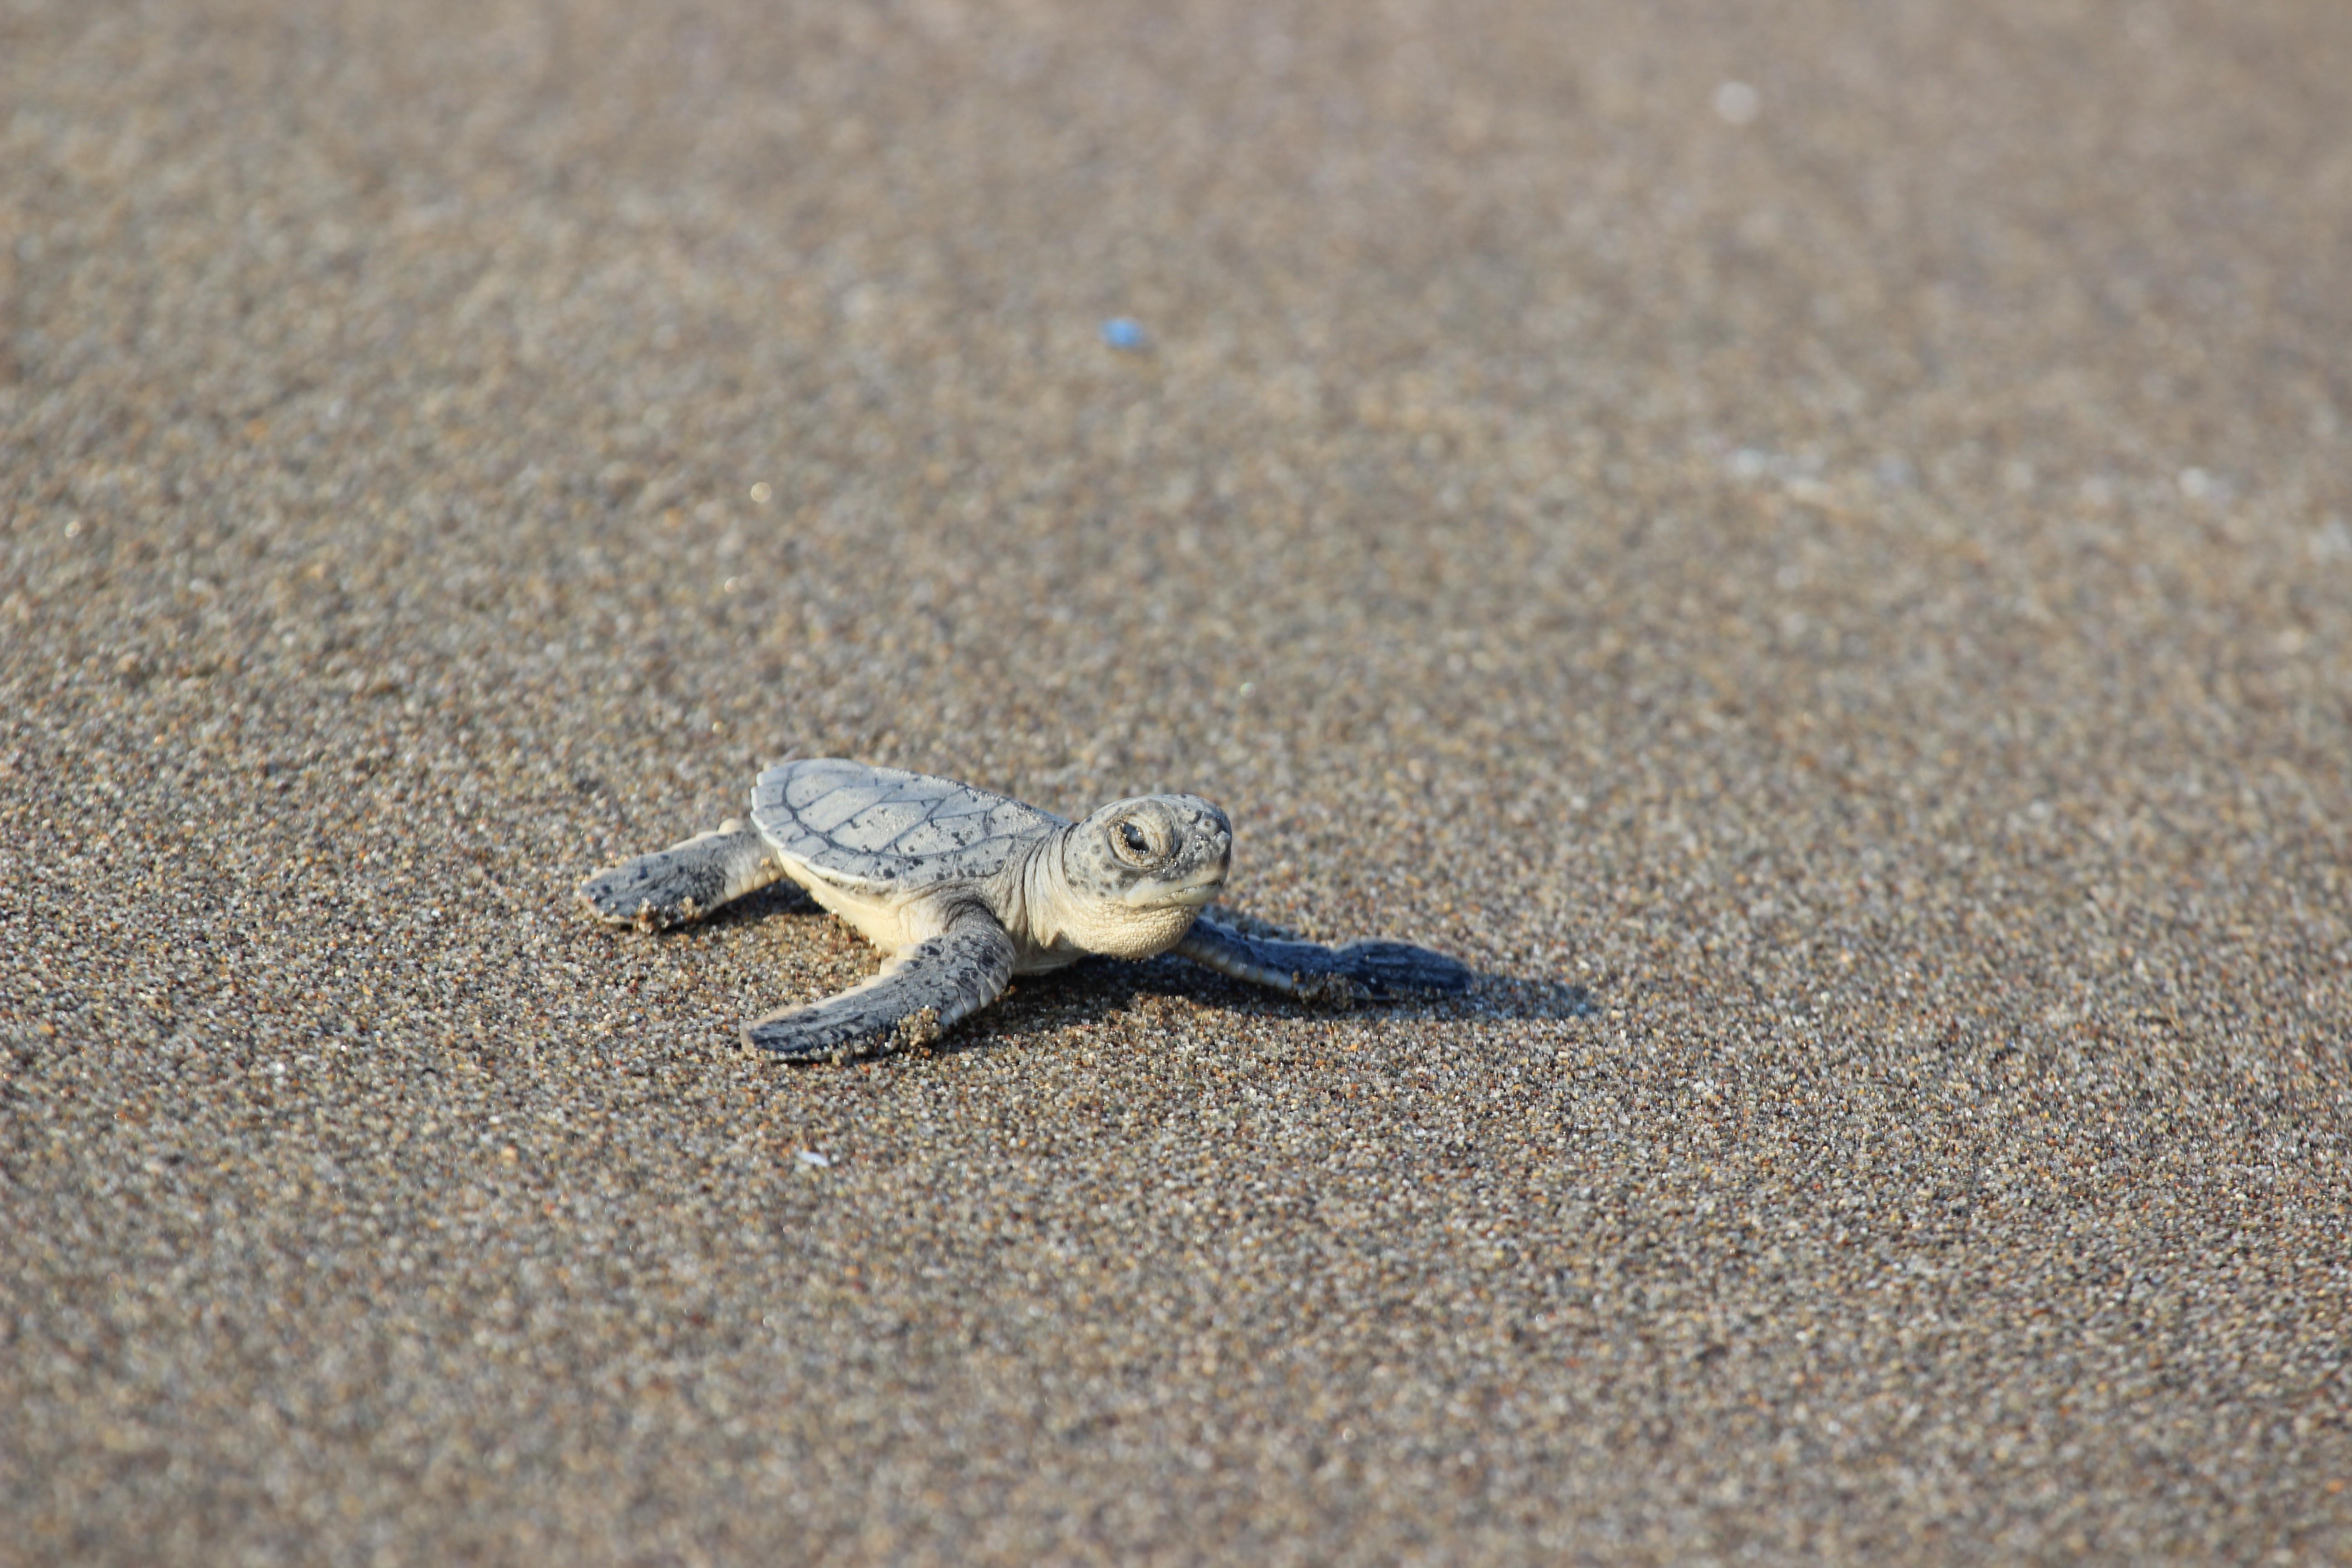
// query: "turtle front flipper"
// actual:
[[685, 881], [922, 992], [1360, 971]]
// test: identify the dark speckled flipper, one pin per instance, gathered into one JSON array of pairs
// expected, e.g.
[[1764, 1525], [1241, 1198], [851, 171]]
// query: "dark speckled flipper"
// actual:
[[921, 992], [685, 881], [1361, 971]]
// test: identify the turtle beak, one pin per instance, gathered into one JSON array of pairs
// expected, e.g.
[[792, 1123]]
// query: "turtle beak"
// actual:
[[1195, 889], [1199, 895]]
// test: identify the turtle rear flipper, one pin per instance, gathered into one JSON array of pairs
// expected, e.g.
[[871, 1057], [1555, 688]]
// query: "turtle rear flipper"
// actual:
[[1361, 971], [685, 881], [923, 991]]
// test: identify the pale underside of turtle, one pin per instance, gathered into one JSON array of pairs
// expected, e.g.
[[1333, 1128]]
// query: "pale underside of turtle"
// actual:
[[965, 890]]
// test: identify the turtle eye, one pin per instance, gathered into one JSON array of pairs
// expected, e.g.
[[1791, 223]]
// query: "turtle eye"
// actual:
[[1134, 844]]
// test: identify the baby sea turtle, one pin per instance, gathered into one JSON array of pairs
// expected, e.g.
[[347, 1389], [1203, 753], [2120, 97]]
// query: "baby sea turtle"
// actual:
[[965, 890]]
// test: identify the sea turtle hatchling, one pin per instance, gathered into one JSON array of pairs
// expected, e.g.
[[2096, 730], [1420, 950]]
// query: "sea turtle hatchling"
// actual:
[[965, 890]]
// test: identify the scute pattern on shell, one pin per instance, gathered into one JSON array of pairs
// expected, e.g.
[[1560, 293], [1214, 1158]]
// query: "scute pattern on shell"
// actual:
[[889, 828]]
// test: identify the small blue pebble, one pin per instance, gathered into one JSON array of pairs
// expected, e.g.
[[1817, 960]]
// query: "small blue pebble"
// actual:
[[1121, 332]]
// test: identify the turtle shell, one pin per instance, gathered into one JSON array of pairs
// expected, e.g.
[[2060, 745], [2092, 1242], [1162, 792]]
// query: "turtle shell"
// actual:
[[885, 830]]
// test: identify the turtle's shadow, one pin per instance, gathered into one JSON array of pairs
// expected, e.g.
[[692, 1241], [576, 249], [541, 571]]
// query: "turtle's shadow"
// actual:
[[1095, 987], [775, 899]]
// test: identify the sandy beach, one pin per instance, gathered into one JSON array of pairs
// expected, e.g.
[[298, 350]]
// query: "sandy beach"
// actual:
[[1810, 543]]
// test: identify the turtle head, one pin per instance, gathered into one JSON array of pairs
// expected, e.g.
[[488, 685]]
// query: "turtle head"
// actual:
[[1137, 871]]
